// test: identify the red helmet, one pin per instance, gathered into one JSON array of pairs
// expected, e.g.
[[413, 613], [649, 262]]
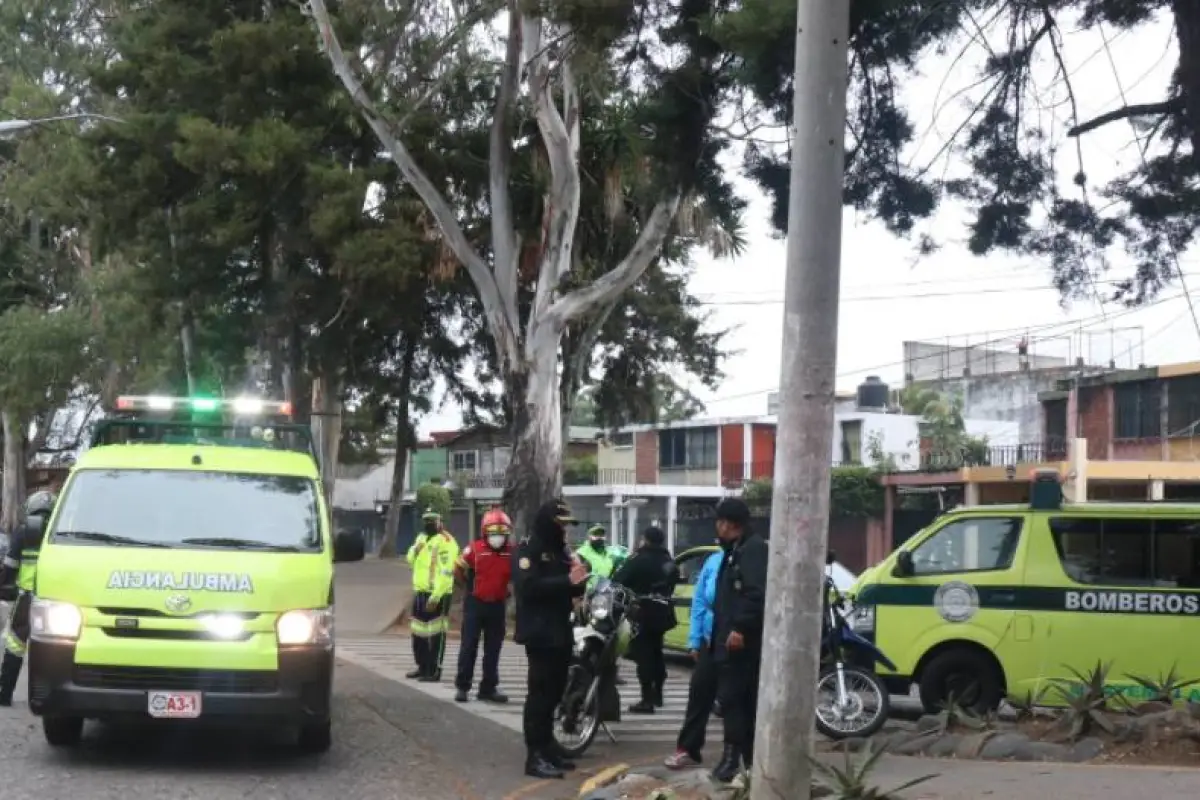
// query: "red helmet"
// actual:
[[495, 521]]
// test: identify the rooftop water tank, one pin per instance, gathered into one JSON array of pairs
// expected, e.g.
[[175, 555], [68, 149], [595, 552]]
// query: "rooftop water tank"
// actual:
[[873, 394]]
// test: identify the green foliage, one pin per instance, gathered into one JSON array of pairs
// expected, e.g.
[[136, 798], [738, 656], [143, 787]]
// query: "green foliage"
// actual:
[[580, 471], [1087, 701], [853, 492], [953, 716], [43, 357], [949, 443], [435, 496], [1166, 688], [1026, 705], [851, 780]]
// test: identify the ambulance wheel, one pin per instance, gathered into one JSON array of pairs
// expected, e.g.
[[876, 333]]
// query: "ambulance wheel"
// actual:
[[62, 731], [315, 737], [964, 674]]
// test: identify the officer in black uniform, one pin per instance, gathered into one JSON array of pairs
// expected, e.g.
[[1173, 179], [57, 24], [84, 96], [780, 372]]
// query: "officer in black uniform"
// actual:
[[739, 610], [651, 574], [17, 575], [546, 579]]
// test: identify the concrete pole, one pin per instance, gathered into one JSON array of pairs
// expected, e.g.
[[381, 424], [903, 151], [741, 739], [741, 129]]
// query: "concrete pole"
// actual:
[[800, 506]]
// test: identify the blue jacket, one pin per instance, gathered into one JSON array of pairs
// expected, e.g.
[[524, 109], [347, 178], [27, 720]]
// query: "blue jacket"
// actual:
[[702, 602]]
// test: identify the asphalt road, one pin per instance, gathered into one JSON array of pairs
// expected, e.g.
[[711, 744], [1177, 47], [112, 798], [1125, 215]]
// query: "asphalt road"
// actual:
[[390, 742]]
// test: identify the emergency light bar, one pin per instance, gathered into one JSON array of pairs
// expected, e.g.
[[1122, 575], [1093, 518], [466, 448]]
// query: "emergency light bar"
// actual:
[[240, 406]]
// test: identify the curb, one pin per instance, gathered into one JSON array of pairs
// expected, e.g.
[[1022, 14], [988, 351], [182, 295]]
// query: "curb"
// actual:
[[604, 777]]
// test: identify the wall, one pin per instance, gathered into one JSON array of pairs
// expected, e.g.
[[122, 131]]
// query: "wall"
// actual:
[[361, 493], [1096, 420], [731, 449], [933, 361], [762, 451], [615, 459], [645, 445], [425, 465], [1011, 397], [898, 434]]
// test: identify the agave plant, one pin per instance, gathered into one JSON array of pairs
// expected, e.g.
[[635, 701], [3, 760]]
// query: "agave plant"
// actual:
[[850, 781], [1087, 701], [1026, 705], [1166, 688], [954, 716]]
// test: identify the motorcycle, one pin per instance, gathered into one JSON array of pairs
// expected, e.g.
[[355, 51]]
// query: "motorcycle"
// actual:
[[603, 630], [851, 699]]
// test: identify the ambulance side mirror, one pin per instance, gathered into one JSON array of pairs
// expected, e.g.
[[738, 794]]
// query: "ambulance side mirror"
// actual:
[[349, 546], [35, 523], [904, 565]]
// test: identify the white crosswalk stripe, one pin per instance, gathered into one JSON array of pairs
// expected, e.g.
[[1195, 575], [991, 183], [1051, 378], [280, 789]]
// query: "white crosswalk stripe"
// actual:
[[391, 657]]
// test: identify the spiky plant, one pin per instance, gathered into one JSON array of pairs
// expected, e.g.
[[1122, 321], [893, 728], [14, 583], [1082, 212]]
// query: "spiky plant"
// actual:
[[850, 781], [1026, 705], [1086, 699], [1166, 688], [954, 716]]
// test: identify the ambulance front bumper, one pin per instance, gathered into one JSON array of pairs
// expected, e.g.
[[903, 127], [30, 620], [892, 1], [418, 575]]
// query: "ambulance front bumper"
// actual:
[[300, 690]]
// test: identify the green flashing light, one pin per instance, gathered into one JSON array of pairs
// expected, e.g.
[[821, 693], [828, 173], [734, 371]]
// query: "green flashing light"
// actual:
[[205, 404]]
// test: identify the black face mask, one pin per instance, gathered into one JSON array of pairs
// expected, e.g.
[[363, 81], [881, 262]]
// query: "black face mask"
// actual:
[[431, 527], [599, 545]]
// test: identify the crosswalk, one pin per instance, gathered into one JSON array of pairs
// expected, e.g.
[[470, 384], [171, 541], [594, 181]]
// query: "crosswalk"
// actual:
[[391, 657]]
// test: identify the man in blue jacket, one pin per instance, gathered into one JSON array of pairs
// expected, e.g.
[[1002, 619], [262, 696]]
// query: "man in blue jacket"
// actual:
[[702, 692]]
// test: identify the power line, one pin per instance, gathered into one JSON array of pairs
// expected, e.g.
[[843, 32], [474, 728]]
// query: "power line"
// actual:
[[1045, 328]]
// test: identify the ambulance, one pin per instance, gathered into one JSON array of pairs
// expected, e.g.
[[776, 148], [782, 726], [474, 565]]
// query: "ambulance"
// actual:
[[187, 575]]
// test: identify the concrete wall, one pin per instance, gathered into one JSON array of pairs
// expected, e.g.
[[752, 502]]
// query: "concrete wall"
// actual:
[[615, 459], [931, 361], [1011, 397], [899, 435]]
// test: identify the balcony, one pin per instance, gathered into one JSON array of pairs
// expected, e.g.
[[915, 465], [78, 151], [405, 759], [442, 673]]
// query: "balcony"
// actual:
[[571, 477], [1008, 455]]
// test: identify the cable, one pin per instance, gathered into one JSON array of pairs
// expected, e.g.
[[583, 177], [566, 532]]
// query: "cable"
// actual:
[[1137, 136], [1089, 321]]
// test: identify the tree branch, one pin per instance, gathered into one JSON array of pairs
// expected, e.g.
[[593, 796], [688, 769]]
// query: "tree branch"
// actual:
[[611, 284], [1165, 107], [560, 134], [481, 275], [505, 253]]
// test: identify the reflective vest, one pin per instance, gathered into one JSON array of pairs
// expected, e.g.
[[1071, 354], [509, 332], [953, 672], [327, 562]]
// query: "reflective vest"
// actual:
[[28, 571], [433, 566], [602, 564]]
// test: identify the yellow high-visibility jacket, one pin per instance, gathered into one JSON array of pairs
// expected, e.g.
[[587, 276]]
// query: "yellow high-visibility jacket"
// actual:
[[432, 557]]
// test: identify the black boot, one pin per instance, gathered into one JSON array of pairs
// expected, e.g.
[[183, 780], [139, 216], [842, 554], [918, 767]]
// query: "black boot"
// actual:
[[10, 670], [658, 695], [559, 759], [538, 766], [729, 766]]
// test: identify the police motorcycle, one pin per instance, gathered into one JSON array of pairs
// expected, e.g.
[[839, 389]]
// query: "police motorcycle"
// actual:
[[851, 699], [604, 626]]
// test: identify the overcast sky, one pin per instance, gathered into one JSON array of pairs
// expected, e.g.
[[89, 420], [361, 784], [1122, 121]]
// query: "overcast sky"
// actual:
[[890, 296]]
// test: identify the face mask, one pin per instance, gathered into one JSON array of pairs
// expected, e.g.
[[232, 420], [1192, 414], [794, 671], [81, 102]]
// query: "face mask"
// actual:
[[496, 541], [598, 544], [431, 527]]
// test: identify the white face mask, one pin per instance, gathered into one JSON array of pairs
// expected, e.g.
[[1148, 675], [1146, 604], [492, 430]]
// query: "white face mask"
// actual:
[[496, 541]]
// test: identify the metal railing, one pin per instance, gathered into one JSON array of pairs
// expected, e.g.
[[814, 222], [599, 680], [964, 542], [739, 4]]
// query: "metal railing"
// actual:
[[571, 477]]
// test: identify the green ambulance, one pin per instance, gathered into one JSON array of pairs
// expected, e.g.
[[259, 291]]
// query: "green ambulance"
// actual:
[[187, 574]]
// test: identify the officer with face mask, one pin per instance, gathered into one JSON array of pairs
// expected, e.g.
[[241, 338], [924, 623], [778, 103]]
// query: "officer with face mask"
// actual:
[[432, 558], [601, 558], [16, 586], [485, 566]]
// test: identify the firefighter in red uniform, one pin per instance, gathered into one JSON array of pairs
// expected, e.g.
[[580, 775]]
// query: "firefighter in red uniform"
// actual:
[[485, 565]]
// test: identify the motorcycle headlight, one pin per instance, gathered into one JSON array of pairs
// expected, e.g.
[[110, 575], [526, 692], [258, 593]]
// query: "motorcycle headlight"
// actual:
[[862, 619], [307, 626], [50, 620], [601, 606]]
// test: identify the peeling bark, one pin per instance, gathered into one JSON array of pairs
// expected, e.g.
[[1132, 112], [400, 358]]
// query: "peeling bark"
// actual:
[[404, 442], [12, 502]]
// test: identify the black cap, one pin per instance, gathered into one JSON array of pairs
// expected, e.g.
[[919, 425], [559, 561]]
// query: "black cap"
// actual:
[[733, 509], [654, 536]]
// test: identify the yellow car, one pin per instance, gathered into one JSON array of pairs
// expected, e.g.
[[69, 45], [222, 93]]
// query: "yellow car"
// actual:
[[187, 573]]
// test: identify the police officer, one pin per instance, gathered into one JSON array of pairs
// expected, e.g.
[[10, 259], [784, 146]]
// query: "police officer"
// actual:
[[651, 574], [546, 579], [16, 586], [432, 557], [739, 609], [601, 558], [485, 566]]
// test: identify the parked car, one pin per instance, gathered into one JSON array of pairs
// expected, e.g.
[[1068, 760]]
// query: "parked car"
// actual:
[[690, 562]]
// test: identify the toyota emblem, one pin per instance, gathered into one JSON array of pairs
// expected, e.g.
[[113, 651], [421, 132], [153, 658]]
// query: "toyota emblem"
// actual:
[[178, 603]]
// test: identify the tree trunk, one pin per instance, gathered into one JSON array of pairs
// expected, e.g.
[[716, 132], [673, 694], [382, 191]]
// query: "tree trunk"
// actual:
[[187, 341], [1187, 31], [534, 474], [327, 429], [13, 501], [404, 443]]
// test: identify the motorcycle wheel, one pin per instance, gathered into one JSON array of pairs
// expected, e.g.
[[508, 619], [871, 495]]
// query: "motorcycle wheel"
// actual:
[[867, 707], [575, 727]]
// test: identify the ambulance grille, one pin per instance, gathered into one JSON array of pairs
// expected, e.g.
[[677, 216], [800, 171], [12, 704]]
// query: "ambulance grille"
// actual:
[[168, 679]]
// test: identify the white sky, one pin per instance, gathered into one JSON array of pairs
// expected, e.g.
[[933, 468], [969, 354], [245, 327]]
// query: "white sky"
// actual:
[[967, 300]]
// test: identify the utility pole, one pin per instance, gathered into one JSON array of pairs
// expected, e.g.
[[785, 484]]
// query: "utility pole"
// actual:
[[800, 506]]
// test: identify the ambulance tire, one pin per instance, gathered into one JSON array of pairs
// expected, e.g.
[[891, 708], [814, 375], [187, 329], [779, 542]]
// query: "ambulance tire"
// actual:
[[961, 666], [315, 737], [62, 731]]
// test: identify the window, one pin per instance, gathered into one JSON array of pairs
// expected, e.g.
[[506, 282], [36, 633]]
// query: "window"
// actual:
[[621, 440], [1136, 410], [852, 441], [1056, 420], [1129, 552], [687, 448], [171, 507], [1183, 406], [464, 461], [975, 544], [501, 458]]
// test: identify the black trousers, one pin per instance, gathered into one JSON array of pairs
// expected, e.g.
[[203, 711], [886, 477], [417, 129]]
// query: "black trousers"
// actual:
[[646, 650], [428, 625], [548, 670], [702, 693], [484, 620], [738, 691]]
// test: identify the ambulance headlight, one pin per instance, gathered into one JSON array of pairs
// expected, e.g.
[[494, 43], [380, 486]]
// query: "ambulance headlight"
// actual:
[[309, 626], [224, 626], [50, 620]]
